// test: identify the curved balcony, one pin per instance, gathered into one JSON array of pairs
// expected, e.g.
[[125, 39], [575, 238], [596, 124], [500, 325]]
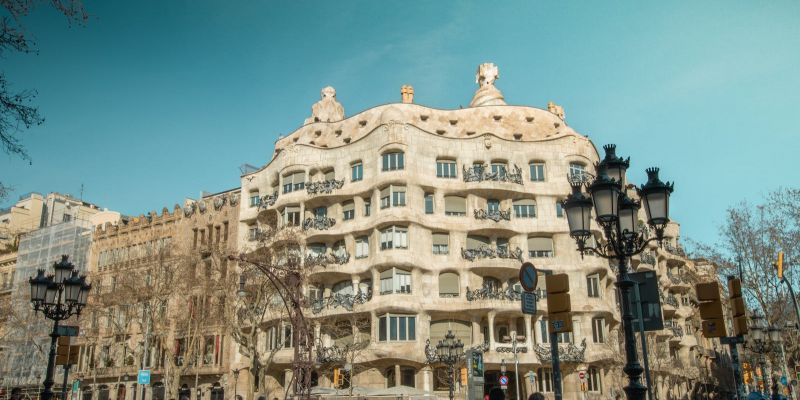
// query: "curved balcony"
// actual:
[[568, 352], [318, 223], [491, 252], [324, 187], [494, 215], [481, 173], [345, 301]]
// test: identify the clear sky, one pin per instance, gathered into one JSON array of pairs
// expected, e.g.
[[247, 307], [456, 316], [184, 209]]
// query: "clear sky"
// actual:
[[154, 101]]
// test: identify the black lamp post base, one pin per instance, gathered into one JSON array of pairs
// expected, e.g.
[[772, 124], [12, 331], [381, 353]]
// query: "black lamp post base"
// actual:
[[635, 391]]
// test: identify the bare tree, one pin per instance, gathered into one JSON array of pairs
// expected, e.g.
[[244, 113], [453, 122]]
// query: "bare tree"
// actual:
[[747, 247], [16, 111], [342, 345]]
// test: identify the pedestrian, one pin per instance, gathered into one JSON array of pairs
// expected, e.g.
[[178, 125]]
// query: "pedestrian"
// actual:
[[536, 396]]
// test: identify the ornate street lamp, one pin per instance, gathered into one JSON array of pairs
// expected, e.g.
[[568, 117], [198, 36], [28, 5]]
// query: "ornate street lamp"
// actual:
[[617, 216], [449, 352], [57, 297]]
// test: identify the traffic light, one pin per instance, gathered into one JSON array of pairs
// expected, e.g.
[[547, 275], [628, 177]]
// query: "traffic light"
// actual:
[[558, 303], [738, 310], [711, 309], [779, 265], [463, 376], [337, 377], [62, 350]]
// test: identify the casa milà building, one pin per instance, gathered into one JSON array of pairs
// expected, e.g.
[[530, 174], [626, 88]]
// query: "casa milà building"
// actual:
[[424, 217]]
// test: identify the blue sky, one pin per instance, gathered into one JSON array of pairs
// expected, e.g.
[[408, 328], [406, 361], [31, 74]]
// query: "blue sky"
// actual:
[[154, 101]]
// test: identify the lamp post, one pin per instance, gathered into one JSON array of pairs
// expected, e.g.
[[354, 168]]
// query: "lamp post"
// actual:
[[235, 383], [58, 297], [765, 339], [449, 352], [617, 215]]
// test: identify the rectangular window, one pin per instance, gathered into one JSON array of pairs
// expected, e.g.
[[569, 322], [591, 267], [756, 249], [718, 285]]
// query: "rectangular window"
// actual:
[[362, 247], [255, 200], [493, 205], [499, 170], [67, 218], [598, 330], [455, 206], [540, 247], [394, 237], [299, 181], [393, 161], [537, 172], [357, 172], [545, 380], [593, 381], [321, 212], [393, 196], [445, 169], [348, 210], [524, 209], [593, 285], [441, 243], [291, 215], [397, 328], [577, 170], [428, 203], [395, 280], [367, 207], [543, 334], [559, 210]]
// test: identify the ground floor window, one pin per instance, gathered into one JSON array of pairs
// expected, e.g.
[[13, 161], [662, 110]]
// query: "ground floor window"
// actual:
[[544, 379], [593, 380]]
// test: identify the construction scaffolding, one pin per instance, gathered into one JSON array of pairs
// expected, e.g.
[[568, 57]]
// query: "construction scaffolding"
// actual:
[[27, 343]]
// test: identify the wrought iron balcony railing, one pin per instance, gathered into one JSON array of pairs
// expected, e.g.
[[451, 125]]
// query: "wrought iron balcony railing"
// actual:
[[676, 250], [336, 300], [318, 223], [326, 186], [491, 293], [494, 215], [671, 300], [268, 200], [648, 258], [326, 258], [491, 252], [479, 173], [568, 352]]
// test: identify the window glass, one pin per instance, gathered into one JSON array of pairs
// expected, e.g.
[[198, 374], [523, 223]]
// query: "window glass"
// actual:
[[475, 242], [577, 170], [540, 247], [598, 330], [593, 285], [493, 205], [407, 376], [291, 215], [593, 380], [356, 172], [367, 207], [559, 210], [428, 203], [362, 247], [348, 210], [255, 200], [525, 208], [440, 243], [397, 327], [537, 171], [394, 237], [445, 169], [393, 161], [545, 379]]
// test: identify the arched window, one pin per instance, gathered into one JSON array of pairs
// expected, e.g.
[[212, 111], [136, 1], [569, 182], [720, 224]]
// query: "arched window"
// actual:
[[448, 284], [407, 376]]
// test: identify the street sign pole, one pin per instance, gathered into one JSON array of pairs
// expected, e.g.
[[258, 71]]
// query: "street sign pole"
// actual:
[[643, 337], [556, 366], [732, 342], [66, 379]]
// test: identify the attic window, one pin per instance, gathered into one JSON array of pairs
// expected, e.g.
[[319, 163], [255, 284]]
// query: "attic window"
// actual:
[[338, 132], [362, 122], [470, 133], [517, 136], [318, 133], [347, 140], [295, 140], [311, 142], [440, 131], [529, 119], [556, 124], [497, 117], [423, 117], [453, 122]]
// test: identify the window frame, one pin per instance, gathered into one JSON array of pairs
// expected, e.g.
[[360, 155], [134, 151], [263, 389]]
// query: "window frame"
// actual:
[[362, 242], [356, 171], [394, 230], [393, 160], [540, 171], [446, 168], [386, 326]]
